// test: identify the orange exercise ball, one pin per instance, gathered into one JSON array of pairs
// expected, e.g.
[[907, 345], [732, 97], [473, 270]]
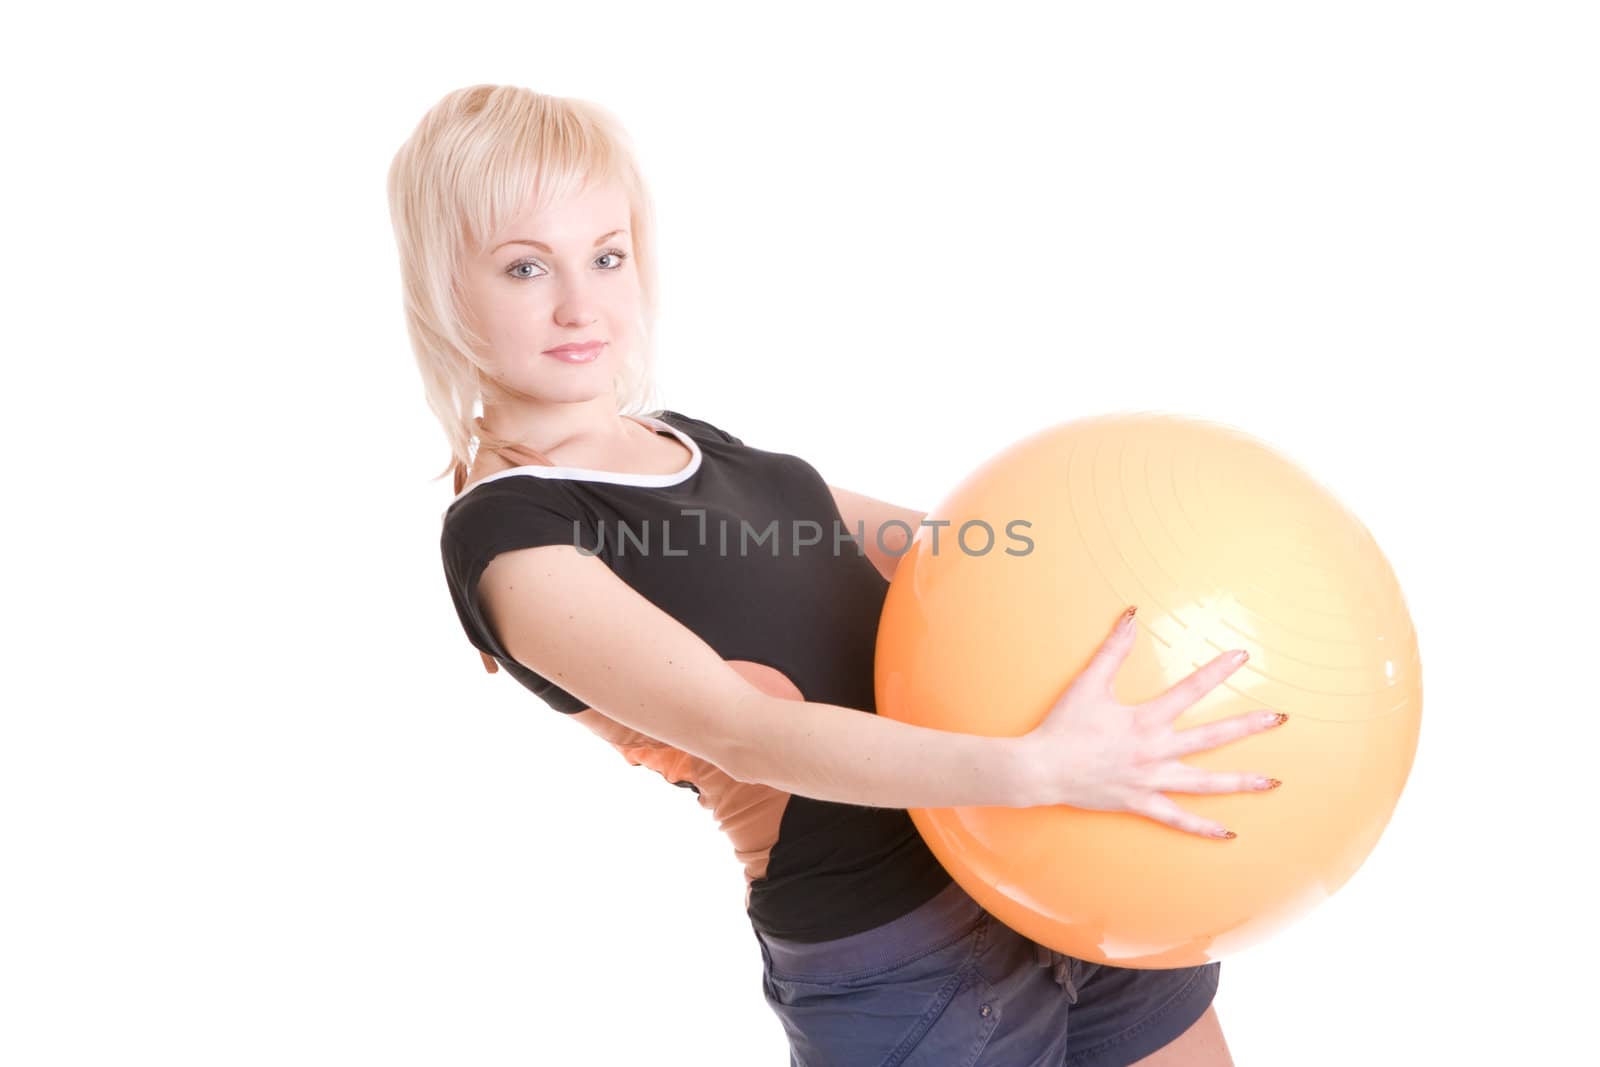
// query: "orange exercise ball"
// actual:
[[1222, 543]]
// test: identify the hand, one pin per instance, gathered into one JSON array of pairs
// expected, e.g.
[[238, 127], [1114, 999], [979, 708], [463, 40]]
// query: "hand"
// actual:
[[1097, 753]]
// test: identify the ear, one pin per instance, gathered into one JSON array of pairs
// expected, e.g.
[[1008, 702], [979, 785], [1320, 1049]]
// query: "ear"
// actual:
[[488, 662]]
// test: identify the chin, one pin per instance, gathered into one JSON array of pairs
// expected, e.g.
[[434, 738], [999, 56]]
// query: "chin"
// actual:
[[574, 388], [566, 383]]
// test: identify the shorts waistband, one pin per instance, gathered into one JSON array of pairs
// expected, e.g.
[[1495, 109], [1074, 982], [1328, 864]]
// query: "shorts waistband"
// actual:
[[951, 913]]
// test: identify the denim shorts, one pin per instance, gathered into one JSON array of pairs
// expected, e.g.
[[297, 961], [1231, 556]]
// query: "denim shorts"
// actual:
[[949, 985]]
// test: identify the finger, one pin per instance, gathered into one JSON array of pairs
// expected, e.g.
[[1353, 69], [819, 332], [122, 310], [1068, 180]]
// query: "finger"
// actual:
[[1102, 669], [1163, 810], [1215, 734], [1169, 705], [1175, 777]]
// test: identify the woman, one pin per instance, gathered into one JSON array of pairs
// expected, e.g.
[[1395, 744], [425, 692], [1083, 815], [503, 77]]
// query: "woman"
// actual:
[[710, 609]]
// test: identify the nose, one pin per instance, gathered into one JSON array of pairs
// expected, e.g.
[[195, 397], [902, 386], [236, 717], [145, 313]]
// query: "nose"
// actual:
[[574, 304]]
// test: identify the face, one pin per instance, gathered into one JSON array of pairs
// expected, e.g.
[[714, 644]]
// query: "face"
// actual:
[[560, 277]]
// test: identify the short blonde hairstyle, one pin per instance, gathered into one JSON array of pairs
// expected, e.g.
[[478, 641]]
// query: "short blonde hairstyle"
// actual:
[[480, 156]]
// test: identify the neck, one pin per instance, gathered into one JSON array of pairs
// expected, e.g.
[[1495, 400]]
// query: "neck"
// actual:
[[544, 427]]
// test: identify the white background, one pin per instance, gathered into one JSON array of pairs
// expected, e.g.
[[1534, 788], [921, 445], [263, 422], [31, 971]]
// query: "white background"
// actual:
[[259, 802]]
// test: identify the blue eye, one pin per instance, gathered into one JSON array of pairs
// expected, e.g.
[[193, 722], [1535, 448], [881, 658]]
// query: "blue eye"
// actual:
[[612, 253]]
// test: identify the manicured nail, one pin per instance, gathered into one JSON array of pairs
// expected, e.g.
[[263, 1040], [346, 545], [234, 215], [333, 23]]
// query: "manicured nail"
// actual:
[[1226, 834], [1267, 783], [1282, 717]]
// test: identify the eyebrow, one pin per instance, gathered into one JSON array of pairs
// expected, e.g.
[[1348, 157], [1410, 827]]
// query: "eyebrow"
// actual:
[[598, 241]]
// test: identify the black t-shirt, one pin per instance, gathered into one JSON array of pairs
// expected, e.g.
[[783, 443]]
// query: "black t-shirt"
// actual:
[[744, 547]]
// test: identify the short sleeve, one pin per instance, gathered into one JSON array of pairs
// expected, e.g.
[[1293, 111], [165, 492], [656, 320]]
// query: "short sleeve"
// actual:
[[700, 427], [491, 519]]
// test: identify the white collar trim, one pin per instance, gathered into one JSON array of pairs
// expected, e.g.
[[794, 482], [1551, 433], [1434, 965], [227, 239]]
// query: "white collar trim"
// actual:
[[585, 474]]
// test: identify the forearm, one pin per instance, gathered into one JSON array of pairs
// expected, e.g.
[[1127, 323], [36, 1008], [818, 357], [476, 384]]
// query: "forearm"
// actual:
[[841, 754]]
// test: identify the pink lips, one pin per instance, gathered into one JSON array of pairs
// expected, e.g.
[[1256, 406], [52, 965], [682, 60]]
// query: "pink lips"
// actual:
[[576, 353]]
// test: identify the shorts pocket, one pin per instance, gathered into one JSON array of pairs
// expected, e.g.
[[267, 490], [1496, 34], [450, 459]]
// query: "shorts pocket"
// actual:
[[929, 1010], [954, 1030]]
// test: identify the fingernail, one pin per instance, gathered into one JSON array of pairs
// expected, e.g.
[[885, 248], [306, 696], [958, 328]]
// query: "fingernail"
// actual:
[[1127, 617], [1282, 717], [1238, 657], [1267, 783], [1227, 835]]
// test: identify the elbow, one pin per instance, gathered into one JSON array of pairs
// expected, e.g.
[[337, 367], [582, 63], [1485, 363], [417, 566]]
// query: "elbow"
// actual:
[[741, 753]]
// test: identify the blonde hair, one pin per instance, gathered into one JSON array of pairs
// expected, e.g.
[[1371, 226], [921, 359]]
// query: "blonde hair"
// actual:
[[480, 156]]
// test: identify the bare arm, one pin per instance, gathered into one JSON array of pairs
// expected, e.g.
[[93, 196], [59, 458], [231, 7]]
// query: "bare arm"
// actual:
[[567, 617], [835, 753], [885, 539]]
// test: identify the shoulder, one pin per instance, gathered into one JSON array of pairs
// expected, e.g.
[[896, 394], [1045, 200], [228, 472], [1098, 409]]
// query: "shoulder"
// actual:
[[698, 428], [503, 513], [508, 490]]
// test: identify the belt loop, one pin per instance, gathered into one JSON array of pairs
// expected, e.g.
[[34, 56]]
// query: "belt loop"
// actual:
[[1064, 976], [1060, 969]]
